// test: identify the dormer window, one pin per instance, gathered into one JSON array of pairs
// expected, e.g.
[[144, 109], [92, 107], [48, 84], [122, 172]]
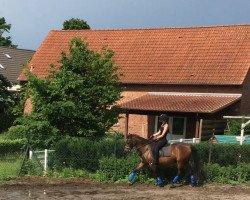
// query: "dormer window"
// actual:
[[7, 55]]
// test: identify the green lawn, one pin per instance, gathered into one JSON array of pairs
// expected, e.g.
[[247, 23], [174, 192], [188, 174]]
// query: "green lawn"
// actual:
[[10, 166]]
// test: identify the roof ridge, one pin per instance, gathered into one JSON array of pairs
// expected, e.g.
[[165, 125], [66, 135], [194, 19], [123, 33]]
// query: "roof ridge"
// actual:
[[154, 28], [196, 94], [6, 47]]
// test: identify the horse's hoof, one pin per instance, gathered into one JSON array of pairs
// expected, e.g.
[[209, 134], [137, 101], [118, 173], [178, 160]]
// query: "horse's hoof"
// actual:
[[130, 183], [185, 183], [160, 185]]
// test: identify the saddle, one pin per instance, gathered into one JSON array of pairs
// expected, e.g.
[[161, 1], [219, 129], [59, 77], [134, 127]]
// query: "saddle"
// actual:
[[165, 151]]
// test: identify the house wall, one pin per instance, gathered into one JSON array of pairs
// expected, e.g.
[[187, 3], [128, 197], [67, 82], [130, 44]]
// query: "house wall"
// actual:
[[245, 101], [137, 124]]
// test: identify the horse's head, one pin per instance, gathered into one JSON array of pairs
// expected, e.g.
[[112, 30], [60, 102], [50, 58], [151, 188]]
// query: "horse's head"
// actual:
[[129, 143]]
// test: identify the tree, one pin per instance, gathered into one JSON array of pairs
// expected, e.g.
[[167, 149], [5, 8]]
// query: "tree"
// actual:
[[7, 101], [4, 27], [75, 24], [79, 99], [6, 97]]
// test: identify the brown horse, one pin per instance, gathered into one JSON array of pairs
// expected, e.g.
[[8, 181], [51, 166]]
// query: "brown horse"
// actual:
[[180, 153]]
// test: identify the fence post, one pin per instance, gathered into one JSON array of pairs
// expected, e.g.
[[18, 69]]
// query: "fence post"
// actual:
[[115, 154], [45, 160], [30, 154], [210, 151]]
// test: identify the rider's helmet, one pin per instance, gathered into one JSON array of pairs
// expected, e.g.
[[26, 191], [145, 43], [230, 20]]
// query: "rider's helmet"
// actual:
[[163, 118]]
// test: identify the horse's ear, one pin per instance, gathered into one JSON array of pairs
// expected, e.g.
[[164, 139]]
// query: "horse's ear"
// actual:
[[127, 135]]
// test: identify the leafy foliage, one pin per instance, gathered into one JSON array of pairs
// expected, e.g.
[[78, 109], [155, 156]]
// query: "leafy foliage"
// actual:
[[229, 174], [234, 128], [4, 27], [6, 97], [7, 101], [75, 24], [8, 146], [81, 153], [39, 131], [79, 98], [224, 154]]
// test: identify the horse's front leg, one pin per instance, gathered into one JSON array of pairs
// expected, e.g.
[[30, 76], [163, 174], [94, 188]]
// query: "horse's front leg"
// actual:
[[137, 170]]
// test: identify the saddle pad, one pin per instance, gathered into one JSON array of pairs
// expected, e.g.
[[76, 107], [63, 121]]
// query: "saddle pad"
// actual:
[[165, 151]]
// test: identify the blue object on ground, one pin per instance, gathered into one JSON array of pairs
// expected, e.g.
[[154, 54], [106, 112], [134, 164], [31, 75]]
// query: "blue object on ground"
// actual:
[[175, 180], [132, 176], [159, 180]]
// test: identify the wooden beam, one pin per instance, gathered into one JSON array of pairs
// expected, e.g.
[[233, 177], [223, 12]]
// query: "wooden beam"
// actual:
[[126, 124], [200, 128], [236, 117], [197, 127]]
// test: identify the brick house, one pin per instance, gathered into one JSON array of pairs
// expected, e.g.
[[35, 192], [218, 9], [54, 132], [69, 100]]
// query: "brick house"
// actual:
[[196, 75]]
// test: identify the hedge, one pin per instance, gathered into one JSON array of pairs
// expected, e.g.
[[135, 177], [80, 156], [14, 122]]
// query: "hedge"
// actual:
[[84, 153], [224, 154], [11, 146], [106, 160], [119, 169]]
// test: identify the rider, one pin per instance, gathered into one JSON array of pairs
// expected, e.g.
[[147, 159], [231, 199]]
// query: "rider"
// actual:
[[160, 138]]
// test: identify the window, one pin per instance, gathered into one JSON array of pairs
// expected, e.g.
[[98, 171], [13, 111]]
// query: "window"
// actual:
[[177, 127]]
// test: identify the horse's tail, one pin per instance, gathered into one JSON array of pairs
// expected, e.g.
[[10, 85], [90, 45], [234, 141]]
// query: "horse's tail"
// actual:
[[196, 164]]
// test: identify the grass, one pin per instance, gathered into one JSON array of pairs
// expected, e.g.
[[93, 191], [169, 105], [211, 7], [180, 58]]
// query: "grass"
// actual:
[[10, 166]]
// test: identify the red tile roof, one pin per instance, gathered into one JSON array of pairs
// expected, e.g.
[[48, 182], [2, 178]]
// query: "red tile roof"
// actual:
[[196, 55], [181, 102]]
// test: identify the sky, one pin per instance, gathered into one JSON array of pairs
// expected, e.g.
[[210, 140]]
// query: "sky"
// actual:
[[31, 20]]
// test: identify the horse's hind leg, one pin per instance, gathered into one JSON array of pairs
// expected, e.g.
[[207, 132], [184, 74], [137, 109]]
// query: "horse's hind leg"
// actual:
[[137, 170], [180, 167], [187, 173]]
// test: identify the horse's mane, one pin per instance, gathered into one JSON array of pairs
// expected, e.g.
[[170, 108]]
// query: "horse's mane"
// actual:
[[138, 137]]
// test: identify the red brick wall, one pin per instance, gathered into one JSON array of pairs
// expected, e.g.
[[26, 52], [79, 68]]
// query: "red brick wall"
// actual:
[[245, 101], [137, 124], [27, 106]]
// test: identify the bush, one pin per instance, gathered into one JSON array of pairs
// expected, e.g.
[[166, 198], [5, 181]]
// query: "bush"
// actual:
[[113, 169], [11, 146], [234, 127], [224, 154], [39, 131], [229, 174], [104, 158], [84, 153]]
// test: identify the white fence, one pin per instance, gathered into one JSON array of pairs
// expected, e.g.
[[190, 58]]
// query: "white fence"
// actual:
[[192, 141], [42, 156]]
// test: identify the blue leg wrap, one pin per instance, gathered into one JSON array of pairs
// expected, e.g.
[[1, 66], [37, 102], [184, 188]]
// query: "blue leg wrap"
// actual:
[[175, 180], [132, 176], [159, 180], [192, 180]]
